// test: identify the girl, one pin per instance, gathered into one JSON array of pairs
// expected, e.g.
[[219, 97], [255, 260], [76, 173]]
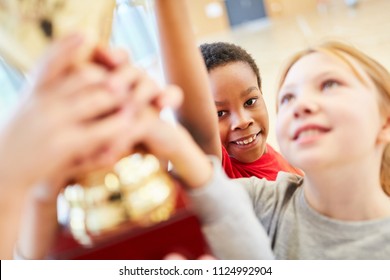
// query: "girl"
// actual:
[[234, 126]]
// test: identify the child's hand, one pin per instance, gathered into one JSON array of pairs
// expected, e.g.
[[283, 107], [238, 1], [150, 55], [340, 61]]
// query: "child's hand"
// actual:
[[177, 256], [172, 142], [61, 120]]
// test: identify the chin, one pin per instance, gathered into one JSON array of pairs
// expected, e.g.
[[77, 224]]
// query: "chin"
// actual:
[[307, 164], [253, 155]]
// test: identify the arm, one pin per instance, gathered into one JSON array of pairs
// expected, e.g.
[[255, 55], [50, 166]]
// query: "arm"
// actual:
[[184, 67], [39, 222], [24, 142], [223, 206], [229, 222], [88, 140], [53, 128], [12, 198]]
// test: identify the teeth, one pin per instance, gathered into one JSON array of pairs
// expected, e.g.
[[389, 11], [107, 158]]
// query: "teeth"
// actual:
[[247, 141], [309, 132]]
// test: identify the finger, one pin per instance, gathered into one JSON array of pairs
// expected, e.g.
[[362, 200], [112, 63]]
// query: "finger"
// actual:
[[92, 104], [101, 159], [110, 58], [175, 256], [82, 77], [207, 257], [100, 133], [171, 96], [58, 59], [144, 93], [123, 78]]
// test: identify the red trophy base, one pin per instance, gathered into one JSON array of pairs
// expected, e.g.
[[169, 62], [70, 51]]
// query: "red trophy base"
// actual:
[[180, 234]]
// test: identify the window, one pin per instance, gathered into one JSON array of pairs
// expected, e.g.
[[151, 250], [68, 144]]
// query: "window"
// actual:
[[11, 82]]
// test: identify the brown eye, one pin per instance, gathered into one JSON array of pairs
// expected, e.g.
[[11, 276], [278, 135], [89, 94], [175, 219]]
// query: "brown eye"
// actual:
[[221, 114], [250, 102]]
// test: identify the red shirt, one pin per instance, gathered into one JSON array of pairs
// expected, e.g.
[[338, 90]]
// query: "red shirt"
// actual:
[[267, 166]]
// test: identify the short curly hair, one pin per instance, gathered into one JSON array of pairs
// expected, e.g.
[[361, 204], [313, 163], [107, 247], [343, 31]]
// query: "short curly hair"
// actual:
[[222, 53]]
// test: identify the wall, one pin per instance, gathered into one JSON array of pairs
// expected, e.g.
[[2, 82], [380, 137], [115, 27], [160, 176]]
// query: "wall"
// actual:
[[280, 8], [208, 16]]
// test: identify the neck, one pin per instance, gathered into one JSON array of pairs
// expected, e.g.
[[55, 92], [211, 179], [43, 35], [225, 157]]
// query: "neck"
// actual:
[[350, 192]]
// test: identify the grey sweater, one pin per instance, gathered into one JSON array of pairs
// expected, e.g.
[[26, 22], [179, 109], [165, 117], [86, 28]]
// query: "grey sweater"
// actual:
[[252, 218]]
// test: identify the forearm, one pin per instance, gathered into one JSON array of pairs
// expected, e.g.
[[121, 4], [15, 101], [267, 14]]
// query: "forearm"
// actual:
[[184, 66], [190, 163], [38, 229], [228, 220], [11, 203]]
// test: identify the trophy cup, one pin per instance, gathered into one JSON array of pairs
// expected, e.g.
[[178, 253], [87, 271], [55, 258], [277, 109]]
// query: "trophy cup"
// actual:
[[121, 206]]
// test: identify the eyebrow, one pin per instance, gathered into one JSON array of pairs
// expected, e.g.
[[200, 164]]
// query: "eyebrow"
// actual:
[[220, 103], [292, 85], [242, 95], [248, 91]]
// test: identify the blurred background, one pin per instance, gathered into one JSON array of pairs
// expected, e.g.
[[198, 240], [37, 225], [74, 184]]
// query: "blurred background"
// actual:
[[270, 30]]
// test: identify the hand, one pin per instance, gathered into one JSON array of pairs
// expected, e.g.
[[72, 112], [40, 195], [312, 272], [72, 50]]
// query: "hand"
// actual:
[[176, 256], [59, 121], [173, 143]]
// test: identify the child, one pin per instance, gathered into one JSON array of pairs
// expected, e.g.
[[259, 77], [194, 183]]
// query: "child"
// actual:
[[75, 118], [237, 131], [333, 122]]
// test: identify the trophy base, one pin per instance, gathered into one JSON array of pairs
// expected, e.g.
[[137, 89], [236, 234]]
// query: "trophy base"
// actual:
[[180, 234]]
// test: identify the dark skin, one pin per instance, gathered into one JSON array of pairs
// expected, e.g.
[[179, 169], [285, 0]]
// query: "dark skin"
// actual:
[[213, 113]]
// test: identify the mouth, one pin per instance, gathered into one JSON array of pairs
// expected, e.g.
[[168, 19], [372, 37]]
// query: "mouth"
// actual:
[[309, 132], [246, 140]]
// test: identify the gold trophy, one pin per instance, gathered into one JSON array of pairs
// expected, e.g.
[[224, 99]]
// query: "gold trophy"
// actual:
[[136, 191]]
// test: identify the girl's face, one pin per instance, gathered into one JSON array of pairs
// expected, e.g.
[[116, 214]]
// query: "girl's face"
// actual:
[[243, 116], [327, 116]]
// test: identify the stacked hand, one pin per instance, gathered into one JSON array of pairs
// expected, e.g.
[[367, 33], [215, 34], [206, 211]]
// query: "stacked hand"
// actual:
[[76, 117]]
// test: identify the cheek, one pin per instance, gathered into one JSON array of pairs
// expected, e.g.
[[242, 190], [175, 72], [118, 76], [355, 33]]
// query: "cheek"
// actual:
[[282, 127], [261, 117], [262, 111], [223, 131]]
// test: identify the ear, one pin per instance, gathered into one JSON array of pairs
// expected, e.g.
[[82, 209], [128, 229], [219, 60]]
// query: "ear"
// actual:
[[384, 134]]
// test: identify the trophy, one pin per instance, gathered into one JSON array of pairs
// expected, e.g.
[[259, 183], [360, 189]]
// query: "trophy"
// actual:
[[129, 201], [134, 192]]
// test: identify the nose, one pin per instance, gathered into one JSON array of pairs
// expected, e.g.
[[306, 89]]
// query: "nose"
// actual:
[[241, 120], [305, 106]]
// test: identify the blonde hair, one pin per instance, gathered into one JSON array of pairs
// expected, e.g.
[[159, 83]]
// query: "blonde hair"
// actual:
[[376, 72]]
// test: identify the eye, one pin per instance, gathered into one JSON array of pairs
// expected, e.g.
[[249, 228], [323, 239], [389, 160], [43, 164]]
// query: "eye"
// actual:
[[286, 98], [329, 84], [221, 113], [250, 102]]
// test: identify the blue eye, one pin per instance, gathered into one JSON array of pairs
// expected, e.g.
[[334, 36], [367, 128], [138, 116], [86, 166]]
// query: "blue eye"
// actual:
[[250, 102], [329, 84], [286, 98]]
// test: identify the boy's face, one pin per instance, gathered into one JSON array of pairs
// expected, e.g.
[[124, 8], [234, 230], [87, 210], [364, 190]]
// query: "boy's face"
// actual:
[[243, 116], [327, 116]]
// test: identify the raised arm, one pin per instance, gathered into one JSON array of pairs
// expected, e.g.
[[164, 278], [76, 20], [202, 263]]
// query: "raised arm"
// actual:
[[184, 66]]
